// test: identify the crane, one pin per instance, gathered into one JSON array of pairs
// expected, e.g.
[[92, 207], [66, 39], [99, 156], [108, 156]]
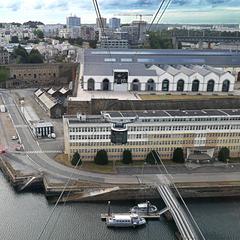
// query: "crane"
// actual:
[[140, 15]]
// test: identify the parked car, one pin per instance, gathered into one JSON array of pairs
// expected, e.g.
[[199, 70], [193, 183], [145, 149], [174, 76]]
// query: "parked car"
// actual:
[[14, 137]]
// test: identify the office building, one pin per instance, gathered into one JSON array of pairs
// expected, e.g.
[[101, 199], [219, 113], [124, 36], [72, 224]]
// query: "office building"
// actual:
[[198, 132], [114, 23], [73, 21]]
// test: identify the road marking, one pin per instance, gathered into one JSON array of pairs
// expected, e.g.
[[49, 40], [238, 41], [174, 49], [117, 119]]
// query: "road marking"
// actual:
[[21, 126], [53, 151]]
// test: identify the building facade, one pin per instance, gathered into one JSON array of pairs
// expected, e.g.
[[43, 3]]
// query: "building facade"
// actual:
[[101, 23], [73, 21], [160, 130], [114, 23], [112, 43], [165, 78], [4, 56]]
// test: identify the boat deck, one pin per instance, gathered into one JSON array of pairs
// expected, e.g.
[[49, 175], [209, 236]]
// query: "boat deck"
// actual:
[[144, 215]]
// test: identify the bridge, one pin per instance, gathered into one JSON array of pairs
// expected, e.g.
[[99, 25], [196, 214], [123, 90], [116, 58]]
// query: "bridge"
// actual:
[[184, 221], [210, 39]]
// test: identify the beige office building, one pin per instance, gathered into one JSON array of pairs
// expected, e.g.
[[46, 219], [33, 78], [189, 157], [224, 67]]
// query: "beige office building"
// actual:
[[196, 131]]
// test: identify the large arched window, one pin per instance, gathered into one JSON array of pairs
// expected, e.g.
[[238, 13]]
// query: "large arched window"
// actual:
[[195, 86], [150, 85], [225, 86], [105, 85], [165, 85], [210, 86], [238, 76], [135, 85], [90, 84], [180, 85]]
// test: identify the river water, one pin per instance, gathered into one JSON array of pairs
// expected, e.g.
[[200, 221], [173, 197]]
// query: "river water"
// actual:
[[22, 217]]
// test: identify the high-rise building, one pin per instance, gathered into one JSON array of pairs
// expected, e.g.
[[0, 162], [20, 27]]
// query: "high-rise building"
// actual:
[[114, 23], [102, 23], [73, 21]]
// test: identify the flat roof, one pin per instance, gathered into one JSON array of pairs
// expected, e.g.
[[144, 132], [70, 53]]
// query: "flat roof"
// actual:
[[173, 113], [169, 56]]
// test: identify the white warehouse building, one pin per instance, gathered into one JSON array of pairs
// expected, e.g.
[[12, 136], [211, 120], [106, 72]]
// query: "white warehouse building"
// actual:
[[162, 78]]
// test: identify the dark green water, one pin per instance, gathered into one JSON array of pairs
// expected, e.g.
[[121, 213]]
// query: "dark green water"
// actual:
[[22, 217]]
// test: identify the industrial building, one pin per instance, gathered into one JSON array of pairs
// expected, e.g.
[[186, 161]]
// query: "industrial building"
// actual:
[[196, 131], [225, 60], [164, 78], [50, 105]]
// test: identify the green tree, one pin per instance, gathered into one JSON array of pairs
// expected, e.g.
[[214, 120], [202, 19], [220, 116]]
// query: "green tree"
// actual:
[[101, 158], [127, 156], [35, 57], [14, 39], [223, 154], [157, 40], [76, 159], [4, 75], [20, 54], [178, 155], [152, 158], [38, 33]]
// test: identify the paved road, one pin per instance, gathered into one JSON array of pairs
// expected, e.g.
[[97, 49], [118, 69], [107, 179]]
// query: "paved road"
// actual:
[[48, 165]]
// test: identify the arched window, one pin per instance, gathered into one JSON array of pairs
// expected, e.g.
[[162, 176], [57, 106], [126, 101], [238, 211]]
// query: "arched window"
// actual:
[[238, 77], [165, 85], [135, 85], [90, 84], [195, 86], [210, 86], [180, 85], [105, 85], [225, 86], [150, 85]]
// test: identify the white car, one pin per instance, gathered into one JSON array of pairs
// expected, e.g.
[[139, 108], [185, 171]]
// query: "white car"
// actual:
[[14, 138]]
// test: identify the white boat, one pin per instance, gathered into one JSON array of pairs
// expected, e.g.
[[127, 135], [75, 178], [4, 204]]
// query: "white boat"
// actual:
[[146, 207], [125, 220]]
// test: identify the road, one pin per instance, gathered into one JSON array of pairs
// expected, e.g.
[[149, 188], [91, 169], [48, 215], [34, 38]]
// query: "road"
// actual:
[[46, 164]]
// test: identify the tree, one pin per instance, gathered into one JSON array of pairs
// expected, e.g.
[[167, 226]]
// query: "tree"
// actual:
[[76, 159], [127, 156], [101, 158], [14, 39], [21, 54], [178, 155], [152, 158], [38, 33], [35, 57], [223, 154], [158, 40]]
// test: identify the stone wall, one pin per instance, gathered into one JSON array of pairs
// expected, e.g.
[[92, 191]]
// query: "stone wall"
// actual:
[[39, 75], [97, 105]]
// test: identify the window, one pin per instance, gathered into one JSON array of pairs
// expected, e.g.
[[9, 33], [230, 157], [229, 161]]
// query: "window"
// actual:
[[180, 85], [165, 85], [195, 85]]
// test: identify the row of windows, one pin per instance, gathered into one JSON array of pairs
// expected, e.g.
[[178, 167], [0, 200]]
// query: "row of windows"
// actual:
[[214, 119], [159, 143], [34, 75], [156, 128]]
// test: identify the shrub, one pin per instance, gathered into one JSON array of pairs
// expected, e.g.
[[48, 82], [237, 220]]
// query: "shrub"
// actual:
[[127, 156], [76, 159], [178, 155], [223, 154], [101, 158]]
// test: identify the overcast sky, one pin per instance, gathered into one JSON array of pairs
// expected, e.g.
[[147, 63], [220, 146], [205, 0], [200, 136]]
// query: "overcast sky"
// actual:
[[180, 11]]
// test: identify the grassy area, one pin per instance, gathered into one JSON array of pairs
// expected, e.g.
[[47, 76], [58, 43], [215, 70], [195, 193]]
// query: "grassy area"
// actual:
[[182, 97], [92, 167], [63, 159]]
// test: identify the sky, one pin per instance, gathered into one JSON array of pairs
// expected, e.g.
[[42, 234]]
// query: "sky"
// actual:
[[180, 11]]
